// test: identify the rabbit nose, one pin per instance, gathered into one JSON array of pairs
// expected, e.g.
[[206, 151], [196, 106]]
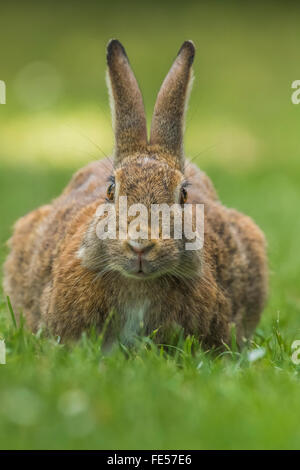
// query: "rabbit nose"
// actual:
[[140, 247]]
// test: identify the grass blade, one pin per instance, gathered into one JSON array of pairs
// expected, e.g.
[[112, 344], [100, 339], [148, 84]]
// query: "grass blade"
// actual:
[[11, 312]]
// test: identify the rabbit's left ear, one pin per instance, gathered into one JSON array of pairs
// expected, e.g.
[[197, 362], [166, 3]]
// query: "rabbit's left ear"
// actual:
[[128, 112], [168, 118]]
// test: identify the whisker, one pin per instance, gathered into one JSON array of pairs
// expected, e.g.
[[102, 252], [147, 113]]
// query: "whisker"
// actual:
[[190, 161]]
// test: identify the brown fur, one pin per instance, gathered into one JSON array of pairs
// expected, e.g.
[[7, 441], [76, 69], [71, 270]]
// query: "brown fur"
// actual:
[[61, 275]]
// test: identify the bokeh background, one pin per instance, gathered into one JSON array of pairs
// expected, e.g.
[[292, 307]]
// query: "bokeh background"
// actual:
[[241, 127]]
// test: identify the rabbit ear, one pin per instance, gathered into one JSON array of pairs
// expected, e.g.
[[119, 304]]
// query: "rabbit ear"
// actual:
[[168, 119], [127, 107]]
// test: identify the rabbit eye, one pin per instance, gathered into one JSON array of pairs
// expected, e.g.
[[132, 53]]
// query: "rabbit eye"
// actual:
[[111, 192], [183, 196]]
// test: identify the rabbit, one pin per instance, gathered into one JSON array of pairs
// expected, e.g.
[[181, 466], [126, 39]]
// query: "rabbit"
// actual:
[[64, 278]]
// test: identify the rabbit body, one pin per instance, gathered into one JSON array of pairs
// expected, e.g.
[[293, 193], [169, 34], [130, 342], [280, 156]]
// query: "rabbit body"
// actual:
[[59, 274]]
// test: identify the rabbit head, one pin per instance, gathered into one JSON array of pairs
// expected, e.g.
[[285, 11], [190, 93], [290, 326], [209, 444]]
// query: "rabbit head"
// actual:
[[146, 173]]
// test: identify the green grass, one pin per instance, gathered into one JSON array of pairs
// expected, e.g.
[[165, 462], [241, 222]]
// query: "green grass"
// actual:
[[242, 122], [63, 397]]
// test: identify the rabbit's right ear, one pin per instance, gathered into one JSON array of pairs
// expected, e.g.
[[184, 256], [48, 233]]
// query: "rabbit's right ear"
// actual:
[[168, 118], [127, 107]]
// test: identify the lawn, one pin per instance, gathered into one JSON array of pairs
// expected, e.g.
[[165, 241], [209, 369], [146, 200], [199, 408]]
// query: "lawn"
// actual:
[[243, 130]]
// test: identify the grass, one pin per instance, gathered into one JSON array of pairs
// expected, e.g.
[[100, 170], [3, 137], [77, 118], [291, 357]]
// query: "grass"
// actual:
[[64, 397], [242, 122]]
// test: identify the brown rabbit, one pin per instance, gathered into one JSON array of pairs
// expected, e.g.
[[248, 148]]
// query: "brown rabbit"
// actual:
[[60, 274]]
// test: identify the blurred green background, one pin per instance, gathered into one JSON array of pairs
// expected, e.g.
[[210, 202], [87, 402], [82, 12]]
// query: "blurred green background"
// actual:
[[241, 128]]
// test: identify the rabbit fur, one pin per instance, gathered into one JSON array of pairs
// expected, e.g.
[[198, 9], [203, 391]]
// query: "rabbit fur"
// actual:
[[61, 276]]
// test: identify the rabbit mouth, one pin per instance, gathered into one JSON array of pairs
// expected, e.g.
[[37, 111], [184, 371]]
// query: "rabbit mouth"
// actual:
[[141, 269], [146, 270], [141, 273]]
